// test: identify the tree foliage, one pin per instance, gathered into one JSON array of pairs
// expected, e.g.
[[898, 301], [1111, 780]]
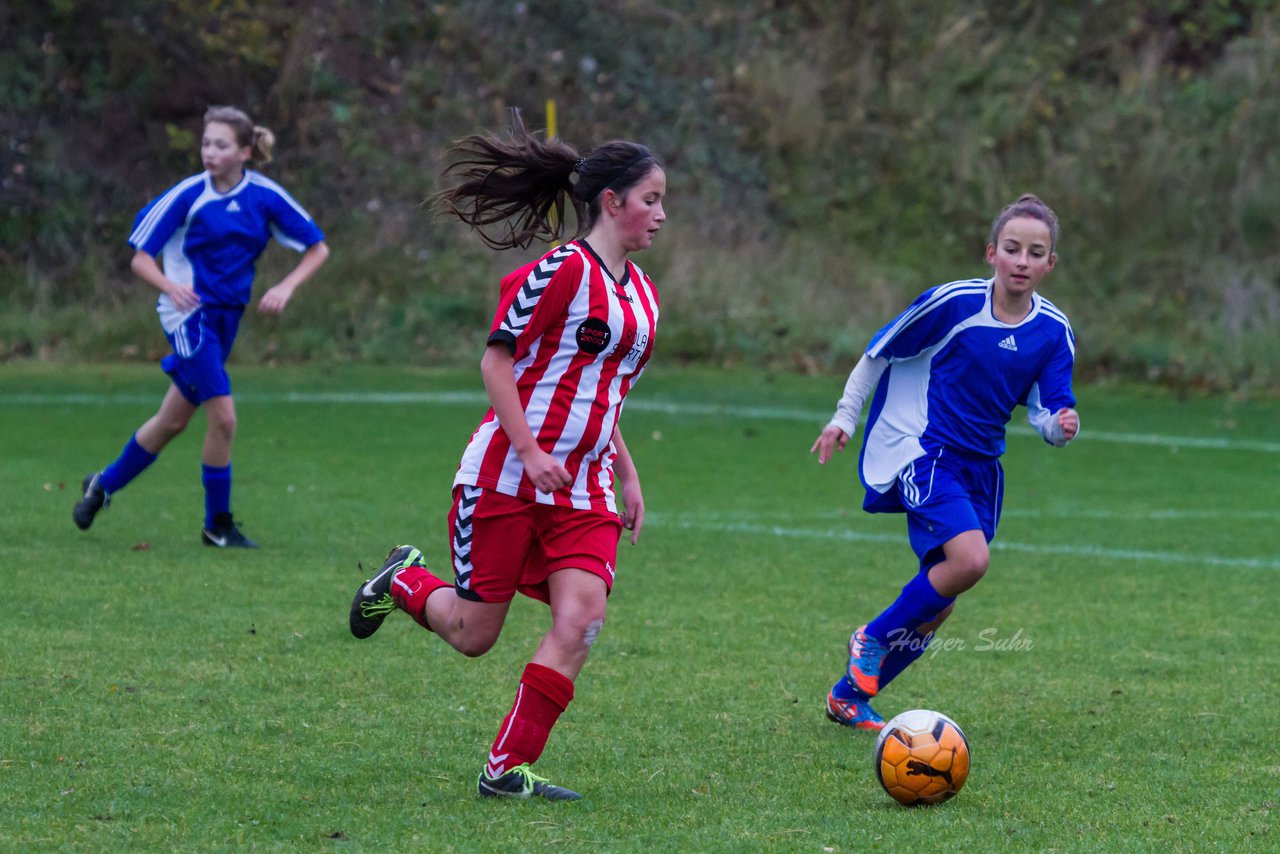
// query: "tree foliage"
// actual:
[[827, 159]]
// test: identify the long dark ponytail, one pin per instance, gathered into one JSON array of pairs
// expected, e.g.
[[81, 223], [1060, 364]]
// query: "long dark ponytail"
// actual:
[[526, 182]]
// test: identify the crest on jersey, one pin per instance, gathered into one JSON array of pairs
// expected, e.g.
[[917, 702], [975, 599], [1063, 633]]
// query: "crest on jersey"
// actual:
[[593, 336]]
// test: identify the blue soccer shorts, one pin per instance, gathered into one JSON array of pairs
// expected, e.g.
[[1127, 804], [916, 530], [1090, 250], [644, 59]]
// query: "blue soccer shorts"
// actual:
[[201, 343], [944, 493]]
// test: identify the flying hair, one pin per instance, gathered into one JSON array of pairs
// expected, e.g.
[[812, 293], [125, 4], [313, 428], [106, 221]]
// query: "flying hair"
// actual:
[[524, 183]]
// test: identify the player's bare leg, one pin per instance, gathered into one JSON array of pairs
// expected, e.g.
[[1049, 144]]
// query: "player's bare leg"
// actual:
[[966, 561], [472, 628], [578, 601]]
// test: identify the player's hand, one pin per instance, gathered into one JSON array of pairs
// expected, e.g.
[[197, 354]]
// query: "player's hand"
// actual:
[[275, 299], [632, 515], [545, 471], [1069, 421], [830, 440], [184, 297]]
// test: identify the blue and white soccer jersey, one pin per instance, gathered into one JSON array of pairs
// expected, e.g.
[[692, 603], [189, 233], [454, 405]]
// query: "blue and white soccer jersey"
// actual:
[[936, 425], [212, 241]]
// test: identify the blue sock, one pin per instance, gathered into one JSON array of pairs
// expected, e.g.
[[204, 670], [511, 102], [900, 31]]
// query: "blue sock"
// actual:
[[133, 461], [902, 655], [917, 604], [217, 492], [906, 651], [845, 690]]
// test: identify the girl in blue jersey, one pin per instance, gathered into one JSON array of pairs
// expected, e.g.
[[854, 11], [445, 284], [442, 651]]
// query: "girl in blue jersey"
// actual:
[[208, 232], [944, 378]]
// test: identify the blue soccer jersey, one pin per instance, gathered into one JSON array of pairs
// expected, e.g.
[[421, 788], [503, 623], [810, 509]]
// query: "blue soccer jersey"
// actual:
[[212, 240], [955, 375]]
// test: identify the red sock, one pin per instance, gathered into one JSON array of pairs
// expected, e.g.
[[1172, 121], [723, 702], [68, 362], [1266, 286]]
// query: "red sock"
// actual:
[[543, 694], [410, 588]]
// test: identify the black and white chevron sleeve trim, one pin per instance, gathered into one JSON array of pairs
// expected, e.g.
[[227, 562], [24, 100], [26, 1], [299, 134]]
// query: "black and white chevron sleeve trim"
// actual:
[[530, 292]]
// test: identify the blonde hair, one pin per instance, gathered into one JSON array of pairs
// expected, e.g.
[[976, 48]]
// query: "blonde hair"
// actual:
[[259, 139]]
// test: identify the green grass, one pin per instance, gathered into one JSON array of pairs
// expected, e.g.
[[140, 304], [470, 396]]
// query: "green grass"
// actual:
[[156, 695]]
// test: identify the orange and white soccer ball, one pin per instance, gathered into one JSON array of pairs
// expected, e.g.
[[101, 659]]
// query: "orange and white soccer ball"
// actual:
[[921, 758]]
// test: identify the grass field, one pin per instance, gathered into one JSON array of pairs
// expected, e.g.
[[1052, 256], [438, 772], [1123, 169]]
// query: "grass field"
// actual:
[[1115, 671]]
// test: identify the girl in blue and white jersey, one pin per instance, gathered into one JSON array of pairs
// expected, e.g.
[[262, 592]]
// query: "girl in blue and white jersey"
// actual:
[[208, 231], [944, 378]]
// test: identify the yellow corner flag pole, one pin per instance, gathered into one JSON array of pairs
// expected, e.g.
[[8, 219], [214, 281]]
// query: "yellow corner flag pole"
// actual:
[[551, 134]]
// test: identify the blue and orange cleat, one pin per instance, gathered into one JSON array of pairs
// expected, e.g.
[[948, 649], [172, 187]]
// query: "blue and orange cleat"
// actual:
[[866, 654], [855, 712]]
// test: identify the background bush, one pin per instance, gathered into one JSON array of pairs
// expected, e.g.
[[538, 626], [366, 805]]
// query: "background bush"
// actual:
[[827, 161]]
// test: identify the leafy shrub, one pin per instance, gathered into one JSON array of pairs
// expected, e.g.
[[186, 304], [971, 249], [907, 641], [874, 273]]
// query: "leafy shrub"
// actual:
[[827, 161]]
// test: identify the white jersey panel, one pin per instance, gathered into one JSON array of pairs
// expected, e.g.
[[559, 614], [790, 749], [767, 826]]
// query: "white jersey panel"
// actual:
[[170, 317], [892, 439], [177, 266]]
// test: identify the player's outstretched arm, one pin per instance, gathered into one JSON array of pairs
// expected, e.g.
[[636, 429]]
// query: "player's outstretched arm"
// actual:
[[276, 298], [861, 383], [830, 440]]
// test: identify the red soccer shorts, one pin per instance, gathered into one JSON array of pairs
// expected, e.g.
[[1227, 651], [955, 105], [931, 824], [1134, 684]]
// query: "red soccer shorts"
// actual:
[[502, 545]]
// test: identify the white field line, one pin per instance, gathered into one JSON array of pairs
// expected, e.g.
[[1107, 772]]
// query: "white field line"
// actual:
[[1149, 514], [639, 404], [1076, 550], [1154, 514], [474, 398]]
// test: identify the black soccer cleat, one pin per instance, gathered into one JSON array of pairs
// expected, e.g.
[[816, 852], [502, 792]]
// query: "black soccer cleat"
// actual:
[[224, 534], [521, 782], [373, 602], [95, 498]]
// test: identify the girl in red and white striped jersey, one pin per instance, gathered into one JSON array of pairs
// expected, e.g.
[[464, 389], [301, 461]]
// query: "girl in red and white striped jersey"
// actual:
[[534, 507]]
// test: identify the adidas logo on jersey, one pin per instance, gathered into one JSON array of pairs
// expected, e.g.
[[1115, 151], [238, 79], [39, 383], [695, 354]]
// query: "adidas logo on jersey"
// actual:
[[234, 207], [1009, 344]]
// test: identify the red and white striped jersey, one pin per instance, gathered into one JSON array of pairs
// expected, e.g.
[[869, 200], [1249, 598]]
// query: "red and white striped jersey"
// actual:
[[580, 341]]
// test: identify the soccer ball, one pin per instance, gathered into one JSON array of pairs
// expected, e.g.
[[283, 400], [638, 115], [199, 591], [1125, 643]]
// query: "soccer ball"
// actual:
[[921, 758]]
